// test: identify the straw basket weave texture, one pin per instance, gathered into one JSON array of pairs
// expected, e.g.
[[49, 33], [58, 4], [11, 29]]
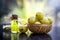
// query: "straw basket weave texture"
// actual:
[[40, 28]]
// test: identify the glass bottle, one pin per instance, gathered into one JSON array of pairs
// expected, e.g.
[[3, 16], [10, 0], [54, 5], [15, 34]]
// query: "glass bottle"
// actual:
[[14, 24]]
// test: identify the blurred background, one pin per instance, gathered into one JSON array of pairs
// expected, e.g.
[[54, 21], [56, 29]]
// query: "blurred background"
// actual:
[[27, 8], [24, 9]]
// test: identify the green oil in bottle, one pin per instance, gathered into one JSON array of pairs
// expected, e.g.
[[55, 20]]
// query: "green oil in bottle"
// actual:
[[14, 26]]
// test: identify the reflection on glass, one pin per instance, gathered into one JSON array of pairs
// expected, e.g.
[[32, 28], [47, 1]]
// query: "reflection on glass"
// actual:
[[39, 37], [6, 36], [23, 36], [14, 36]]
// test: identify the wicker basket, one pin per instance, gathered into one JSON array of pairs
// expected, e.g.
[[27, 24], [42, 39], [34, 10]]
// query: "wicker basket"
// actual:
[[39, 28]]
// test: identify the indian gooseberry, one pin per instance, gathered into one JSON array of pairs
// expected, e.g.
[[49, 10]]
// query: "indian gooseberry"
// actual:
[[50, 20], [31, 20], [39, 16], [44, 21]]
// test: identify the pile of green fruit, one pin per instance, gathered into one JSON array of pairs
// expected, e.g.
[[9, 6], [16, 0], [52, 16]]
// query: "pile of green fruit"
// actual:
[[39, 23], [39, 17]]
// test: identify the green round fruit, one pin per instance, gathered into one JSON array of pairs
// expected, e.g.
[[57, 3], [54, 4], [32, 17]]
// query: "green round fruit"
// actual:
[[50, 20], [31, 20], [39, 16], [44, 21]]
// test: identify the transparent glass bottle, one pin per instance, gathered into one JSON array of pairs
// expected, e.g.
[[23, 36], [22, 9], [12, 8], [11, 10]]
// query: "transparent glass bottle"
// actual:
[[14, 24]]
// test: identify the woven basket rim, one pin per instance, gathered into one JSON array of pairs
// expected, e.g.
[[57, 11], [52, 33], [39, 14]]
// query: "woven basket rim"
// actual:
[[40, 24]]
